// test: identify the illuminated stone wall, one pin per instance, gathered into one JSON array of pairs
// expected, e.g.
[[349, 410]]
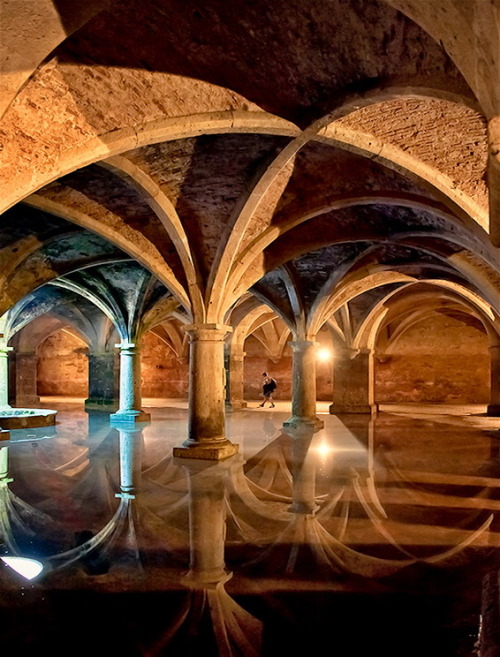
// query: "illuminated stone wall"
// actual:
[[163, 374], [440, 359], [62, 366]]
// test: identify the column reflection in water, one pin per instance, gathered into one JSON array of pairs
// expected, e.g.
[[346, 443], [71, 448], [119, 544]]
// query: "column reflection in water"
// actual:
[[115, 545], [311, 507], [4, 376], [210, 620], [10, 552]]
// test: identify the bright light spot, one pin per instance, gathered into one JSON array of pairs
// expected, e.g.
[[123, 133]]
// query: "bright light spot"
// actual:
[[28, 568], [323, 354], [324, 449]]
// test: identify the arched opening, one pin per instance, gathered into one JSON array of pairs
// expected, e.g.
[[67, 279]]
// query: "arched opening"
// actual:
[[164, 373], [62, 365], [440, 357], [258, 360]]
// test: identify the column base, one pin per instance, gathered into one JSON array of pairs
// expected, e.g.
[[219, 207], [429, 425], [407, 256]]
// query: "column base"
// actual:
[[342, 409], [105, 405], [493, 410], [125, 496], [206, 578], [129, 417], [215, 450], [302, 508], [27, 401], [297, 422], [236, 405]]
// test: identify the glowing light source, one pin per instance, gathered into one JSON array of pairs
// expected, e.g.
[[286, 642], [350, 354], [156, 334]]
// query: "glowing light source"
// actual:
[[27, 568], [323, 354], [324, 449]]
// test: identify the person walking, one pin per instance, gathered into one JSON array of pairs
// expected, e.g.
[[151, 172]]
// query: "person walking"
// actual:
[[269, 385]]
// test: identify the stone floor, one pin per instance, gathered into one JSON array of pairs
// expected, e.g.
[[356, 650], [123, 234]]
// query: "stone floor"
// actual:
[[370, 536]]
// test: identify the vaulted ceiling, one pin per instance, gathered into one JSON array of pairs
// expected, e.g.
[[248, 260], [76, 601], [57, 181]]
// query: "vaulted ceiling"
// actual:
[[320, 155]]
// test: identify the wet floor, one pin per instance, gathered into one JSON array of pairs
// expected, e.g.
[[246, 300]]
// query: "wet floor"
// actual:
[[371, 535]]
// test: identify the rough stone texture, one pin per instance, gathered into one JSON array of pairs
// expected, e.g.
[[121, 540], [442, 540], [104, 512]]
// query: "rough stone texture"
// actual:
[[468, 31], [308, 66], [162, 373], [181, 91], [33, 141], [440, 359], [205, 178], [444, 135], [62, 366], [113, 194]]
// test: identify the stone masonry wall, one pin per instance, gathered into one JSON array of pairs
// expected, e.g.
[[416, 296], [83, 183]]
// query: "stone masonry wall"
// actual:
[[439, 360], [62, 366]]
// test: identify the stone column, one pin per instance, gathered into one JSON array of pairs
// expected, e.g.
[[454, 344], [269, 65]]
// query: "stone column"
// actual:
[[494, 178], [4, 466], [130, 461], [4, 376], [489, 637], [494, 405], [103, 383], [207, 431], [353, 382], [304, 384], [130, 386], [235, 386], [26, 380]]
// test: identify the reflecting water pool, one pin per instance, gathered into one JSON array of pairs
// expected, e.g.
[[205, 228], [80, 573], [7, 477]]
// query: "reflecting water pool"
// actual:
[[371, 535]]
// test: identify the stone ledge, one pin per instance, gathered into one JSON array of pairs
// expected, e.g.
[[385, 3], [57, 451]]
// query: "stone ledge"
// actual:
[[106, 406], [493, 410], [296, 422], [27, 418], [210, 451], [337, 409], [130, 417]]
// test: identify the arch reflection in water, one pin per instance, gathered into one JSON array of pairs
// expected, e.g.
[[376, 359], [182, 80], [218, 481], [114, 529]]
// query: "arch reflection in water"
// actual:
[[367, 515]]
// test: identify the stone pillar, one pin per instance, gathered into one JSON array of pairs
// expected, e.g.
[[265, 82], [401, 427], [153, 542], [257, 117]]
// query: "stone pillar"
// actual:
[[207, 431], [26, 380], [353, 382], [130, 386], [489, 637], [494, 178], [103, 383], [130, 460], [304, 384], [4, 466], [4, 376], [494, 405], [235, 386]]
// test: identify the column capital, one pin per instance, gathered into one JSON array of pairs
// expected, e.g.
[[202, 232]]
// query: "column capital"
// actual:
[[4, 349], [126, 346], [208, 332], [102, 354], [494, 133], [298, 345], [26, 354], [350, 353]]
